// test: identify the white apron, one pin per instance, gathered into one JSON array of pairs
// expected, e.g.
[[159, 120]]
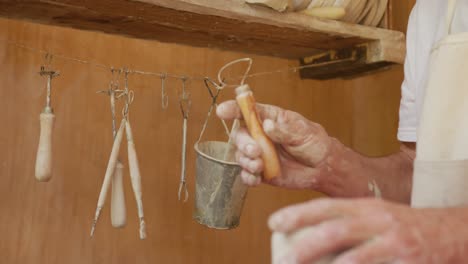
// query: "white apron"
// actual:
[[441, 166]]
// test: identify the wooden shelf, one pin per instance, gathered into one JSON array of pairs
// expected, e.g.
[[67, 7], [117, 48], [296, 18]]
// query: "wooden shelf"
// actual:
[[225, 24]]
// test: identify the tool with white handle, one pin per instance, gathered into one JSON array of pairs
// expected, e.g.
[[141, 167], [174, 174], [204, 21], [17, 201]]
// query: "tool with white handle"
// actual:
[[111, 166], [118, 208], [44, 151], [43, 170], [135, 177]]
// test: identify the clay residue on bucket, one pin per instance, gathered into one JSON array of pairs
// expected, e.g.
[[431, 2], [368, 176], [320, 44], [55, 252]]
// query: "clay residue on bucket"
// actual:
[[220, 193]]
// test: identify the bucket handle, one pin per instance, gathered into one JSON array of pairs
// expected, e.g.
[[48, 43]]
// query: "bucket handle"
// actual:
[[214, 97]]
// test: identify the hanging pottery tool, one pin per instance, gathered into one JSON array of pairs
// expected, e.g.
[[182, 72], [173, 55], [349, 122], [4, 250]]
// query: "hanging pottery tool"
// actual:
[[110, 171], [118, 208], [185, 104], [135, 175], [246, 102], [132, 164], [43, 171]]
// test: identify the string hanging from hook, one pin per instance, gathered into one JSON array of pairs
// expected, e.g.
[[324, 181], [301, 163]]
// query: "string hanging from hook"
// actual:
[[293, 69]]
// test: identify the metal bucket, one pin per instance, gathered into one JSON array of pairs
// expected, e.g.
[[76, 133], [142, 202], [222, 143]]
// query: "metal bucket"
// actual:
[[219, 191]]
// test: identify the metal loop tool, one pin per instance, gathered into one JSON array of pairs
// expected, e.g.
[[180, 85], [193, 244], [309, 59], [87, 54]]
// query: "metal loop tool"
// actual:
[[185, 104], [210, 84], [47, 71], [129, 96]]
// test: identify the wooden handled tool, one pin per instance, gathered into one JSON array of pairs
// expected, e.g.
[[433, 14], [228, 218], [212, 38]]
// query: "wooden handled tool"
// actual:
[[44, 151], [43, 170], [111, 166], [246, 102], [118, 209], [135, 178]]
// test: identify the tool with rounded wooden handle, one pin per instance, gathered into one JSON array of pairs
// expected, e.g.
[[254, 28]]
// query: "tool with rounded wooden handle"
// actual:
[[43, 169], [246, 102], [111, 166], [135, 178], [118, 209]]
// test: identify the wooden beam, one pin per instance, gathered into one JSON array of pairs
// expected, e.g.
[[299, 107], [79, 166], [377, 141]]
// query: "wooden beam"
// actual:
[[224, 24]]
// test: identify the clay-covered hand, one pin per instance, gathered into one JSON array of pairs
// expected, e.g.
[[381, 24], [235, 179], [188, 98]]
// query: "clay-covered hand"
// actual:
[[308, 156], [373, 231]]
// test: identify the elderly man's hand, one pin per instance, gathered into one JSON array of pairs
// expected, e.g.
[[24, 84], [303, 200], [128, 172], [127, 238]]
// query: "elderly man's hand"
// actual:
[[310, 159], [373, 231]]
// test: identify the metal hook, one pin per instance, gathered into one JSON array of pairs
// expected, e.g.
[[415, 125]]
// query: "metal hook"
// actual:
[[218, 88], [184, 82], [115, 78], [214, 98], [164, 96], [50, 74], [113, 85], [47, 61], [111, 92], [129, 96], [185, 104], [184, 100]]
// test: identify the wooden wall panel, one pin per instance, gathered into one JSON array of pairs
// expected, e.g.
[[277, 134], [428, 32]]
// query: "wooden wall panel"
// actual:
[[49, 223]]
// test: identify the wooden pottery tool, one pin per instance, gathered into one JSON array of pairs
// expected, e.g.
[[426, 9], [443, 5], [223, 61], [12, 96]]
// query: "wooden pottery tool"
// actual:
[[43, 170], [110, 170], [118, 209], [246, 102], [134, 168], [135, 175]]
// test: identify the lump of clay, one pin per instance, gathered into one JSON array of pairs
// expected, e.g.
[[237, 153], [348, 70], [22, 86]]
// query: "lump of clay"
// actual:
[[282, 5], [329, 12], [298, 5], [278, 5]]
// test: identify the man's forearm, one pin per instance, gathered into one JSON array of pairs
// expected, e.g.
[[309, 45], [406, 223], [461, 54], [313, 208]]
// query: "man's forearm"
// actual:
[[393, 174], [389, 177]]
